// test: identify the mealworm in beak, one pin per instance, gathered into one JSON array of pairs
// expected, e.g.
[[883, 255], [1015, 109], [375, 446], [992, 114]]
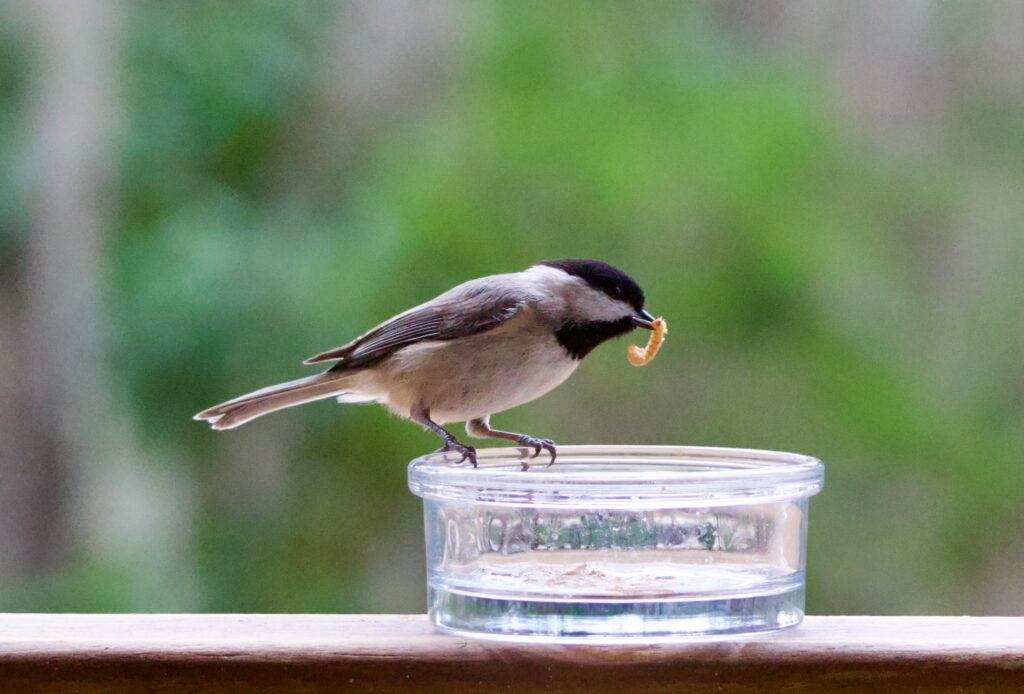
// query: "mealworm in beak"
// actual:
[[642, 356]]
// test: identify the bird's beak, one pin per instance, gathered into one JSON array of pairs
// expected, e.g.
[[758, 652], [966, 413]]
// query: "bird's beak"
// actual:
[[643, 320]]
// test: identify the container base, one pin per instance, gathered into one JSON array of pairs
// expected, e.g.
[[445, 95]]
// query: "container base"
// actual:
[[624, 622]]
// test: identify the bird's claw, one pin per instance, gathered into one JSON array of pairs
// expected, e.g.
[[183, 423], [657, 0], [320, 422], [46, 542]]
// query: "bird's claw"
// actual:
[[467, 452], [538, 445]]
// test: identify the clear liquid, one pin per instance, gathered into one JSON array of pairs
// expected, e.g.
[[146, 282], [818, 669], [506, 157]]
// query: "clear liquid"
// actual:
[[603, 601]]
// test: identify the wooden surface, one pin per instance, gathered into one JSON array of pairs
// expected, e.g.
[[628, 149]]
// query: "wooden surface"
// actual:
[[93, 653]]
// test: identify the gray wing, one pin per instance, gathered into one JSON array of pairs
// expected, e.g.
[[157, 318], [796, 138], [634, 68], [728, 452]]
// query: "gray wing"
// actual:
[[474, 307]]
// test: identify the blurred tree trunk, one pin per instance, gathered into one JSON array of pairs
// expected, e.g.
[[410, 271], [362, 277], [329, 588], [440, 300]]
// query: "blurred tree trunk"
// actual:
[[387, 60], [31, 494], [53, 353]]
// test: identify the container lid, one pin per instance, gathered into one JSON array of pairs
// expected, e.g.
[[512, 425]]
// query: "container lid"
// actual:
[[619, 477]]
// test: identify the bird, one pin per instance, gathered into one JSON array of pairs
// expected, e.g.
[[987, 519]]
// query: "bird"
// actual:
[[482, 347]]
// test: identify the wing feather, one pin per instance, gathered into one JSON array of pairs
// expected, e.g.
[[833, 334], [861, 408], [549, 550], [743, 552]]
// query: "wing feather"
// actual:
[[470, 308]]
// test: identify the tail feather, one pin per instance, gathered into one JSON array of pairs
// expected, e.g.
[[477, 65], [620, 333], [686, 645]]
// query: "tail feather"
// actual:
[[240, 410]]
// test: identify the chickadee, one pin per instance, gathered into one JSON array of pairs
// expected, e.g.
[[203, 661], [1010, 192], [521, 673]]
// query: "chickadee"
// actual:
[[485, 346]]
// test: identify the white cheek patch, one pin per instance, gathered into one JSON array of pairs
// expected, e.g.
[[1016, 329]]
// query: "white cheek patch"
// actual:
[[597, 306]]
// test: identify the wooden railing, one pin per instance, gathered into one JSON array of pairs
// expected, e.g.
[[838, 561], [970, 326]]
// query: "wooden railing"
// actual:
[[104, 653]]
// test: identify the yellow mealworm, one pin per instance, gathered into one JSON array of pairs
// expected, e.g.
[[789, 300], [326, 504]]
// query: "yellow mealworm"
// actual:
[[641, 356]]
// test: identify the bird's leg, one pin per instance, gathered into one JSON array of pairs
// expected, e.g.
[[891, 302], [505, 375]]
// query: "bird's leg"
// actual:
[[422, 416], [481, 428]]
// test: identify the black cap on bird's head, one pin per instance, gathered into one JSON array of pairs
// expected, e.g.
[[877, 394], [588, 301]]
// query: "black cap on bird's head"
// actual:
[[608, 279]]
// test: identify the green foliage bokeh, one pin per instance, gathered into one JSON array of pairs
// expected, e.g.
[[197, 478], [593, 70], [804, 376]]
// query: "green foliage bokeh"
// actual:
[[259, 222]]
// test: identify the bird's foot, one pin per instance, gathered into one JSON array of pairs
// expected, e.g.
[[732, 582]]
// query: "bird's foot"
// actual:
[[453, 446], [537, 445]]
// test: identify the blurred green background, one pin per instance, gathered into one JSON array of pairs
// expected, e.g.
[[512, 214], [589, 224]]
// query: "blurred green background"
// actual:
[[825, 199]]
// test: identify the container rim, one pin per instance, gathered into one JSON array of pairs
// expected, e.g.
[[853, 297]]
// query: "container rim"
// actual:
[[619, 476]]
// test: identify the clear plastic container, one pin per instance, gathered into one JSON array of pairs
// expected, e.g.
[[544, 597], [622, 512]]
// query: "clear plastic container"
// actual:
[[616, 543]]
